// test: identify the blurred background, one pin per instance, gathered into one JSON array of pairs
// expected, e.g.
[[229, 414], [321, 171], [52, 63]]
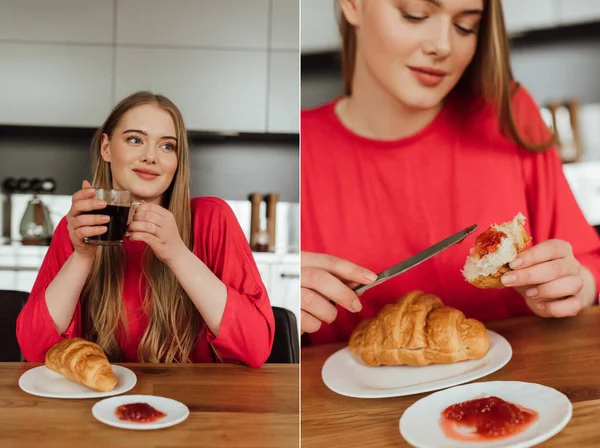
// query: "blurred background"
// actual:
[[555, 52], [231, 66]]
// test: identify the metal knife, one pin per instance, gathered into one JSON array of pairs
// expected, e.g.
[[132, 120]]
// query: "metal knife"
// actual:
[[419, 258]]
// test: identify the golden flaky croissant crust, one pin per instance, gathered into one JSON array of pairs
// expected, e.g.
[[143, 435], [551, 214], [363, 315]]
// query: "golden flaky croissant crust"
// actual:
[[83, 362], [418, 330]]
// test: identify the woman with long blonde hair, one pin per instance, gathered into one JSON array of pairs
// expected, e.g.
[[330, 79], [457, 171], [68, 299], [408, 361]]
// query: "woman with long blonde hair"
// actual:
[[432, 135], [183, 287]]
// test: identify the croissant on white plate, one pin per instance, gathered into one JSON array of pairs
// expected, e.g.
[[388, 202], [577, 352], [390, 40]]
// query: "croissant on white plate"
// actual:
[[83, 362], [418, 330]]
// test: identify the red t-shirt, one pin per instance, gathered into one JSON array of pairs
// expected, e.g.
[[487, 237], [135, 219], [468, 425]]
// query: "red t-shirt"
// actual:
[[376, 203], [246, 331]]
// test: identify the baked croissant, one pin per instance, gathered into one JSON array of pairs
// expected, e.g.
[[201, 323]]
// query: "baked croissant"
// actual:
[[494, 250], [83, 362], [418, 330]]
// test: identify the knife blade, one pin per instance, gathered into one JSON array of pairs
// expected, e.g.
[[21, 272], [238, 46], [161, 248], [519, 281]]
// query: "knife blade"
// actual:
[[417, 259]]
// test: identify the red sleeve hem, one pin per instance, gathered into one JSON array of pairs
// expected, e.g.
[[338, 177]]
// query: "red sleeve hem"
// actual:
[[39, 334], [236, 344]]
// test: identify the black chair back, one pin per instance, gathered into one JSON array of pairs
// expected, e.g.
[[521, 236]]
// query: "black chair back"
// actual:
[[286, 346], [11, 303]]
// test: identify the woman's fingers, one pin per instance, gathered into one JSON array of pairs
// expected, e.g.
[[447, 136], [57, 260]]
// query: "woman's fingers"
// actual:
[[542, 252], [86, 205], [309, 323], [149, 216], [86, 220], [559, 308], [541, 273], [85, 193], [329, 286], [327, 281], [86, 232], [317, 305], [339, 267], [143, 226], [570, 285]]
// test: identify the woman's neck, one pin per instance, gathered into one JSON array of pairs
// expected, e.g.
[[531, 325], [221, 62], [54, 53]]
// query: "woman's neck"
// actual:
[[373, 113]]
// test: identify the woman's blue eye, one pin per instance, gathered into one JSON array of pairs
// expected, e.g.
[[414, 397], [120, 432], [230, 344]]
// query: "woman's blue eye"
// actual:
[[135, 140], [169, 146]]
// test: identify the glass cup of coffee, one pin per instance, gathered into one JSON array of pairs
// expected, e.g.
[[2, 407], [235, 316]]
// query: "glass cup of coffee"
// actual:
[[118, 203]]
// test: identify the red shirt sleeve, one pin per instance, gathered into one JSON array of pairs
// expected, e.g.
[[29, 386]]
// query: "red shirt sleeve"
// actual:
[[553, 210], [36, 331], [248, 326]]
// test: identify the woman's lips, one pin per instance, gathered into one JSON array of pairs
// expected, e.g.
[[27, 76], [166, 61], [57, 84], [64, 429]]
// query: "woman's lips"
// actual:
[[146, 175], [428, 77]]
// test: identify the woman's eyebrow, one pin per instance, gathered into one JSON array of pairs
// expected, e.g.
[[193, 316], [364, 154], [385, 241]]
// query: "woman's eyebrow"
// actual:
[[438, 3], [146, 134]]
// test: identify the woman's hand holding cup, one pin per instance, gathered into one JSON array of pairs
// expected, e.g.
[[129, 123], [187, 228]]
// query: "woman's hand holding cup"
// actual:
[[82, 225]]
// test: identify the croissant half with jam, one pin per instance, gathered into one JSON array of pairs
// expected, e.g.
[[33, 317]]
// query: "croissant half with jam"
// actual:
[[494, 250], [418, 330]]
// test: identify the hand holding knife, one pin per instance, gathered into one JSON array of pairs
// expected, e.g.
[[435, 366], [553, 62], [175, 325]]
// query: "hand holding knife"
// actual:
[[417, 259]]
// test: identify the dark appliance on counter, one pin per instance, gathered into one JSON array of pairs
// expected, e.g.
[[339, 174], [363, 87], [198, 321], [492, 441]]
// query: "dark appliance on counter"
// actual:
[[36, 227]]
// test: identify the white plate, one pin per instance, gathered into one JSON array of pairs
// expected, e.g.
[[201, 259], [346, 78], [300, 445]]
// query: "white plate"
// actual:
[[43, 382], [346, 374], [176, 412], [419, 425]]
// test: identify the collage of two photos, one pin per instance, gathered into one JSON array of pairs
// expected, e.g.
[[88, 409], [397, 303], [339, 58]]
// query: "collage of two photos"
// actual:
[[285, 223], [149, 266]]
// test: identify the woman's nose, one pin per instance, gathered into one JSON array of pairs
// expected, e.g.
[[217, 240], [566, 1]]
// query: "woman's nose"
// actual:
[[438, 44], [149, 154]]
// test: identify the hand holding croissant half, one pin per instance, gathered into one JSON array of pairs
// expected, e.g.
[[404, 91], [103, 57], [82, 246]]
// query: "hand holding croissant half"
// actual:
[[83, 362], [494, 249]]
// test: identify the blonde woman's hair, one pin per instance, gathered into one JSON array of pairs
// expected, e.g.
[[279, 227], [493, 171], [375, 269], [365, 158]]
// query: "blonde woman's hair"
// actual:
[[174, 321], [488, 76]]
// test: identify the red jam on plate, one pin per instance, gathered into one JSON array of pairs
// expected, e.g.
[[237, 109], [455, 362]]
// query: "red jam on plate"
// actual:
[[485, 419], [138, 413], [488, 242]]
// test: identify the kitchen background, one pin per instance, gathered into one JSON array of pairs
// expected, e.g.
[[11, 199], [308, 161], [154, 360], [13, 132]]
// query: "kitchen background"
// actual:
[[231, 66], [555, 51]]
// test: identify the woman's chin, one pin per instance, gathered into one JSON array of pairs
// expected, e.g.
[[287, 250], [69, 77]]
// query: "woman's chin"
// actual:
[[424, 102], [421, 98]]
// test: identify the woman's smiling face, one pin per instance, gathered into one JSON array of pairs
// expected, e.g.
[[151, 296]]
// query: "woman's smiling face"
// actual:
[[415, 50], [142, 152]]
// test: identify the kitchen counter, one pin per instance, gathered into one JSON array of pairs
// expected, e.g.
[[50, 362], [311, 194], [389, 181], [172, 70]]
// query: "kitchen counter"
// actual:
[[18, 257], [584, 180]]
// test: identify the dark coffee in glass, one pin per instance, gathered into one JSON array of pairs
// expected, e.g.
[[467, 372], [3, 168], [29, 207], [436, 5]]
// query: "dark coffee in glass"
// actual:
[[119, 203]]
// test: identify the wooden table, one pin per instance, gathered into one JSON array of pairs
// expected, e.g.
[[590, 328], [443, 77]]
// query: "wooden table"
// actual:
[[230, 405], [560, 353]]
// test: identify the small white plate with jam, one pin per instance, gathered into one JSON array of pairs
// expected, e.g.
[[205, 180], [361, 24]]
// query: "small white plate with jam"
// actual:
[[494, 414], [141, 412]]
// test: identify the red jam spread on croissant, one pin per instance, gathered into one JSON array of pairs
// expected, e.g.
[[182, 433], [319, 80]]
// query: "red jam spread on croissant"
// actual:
[[139, 413], [488, 242], [485, 419]]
